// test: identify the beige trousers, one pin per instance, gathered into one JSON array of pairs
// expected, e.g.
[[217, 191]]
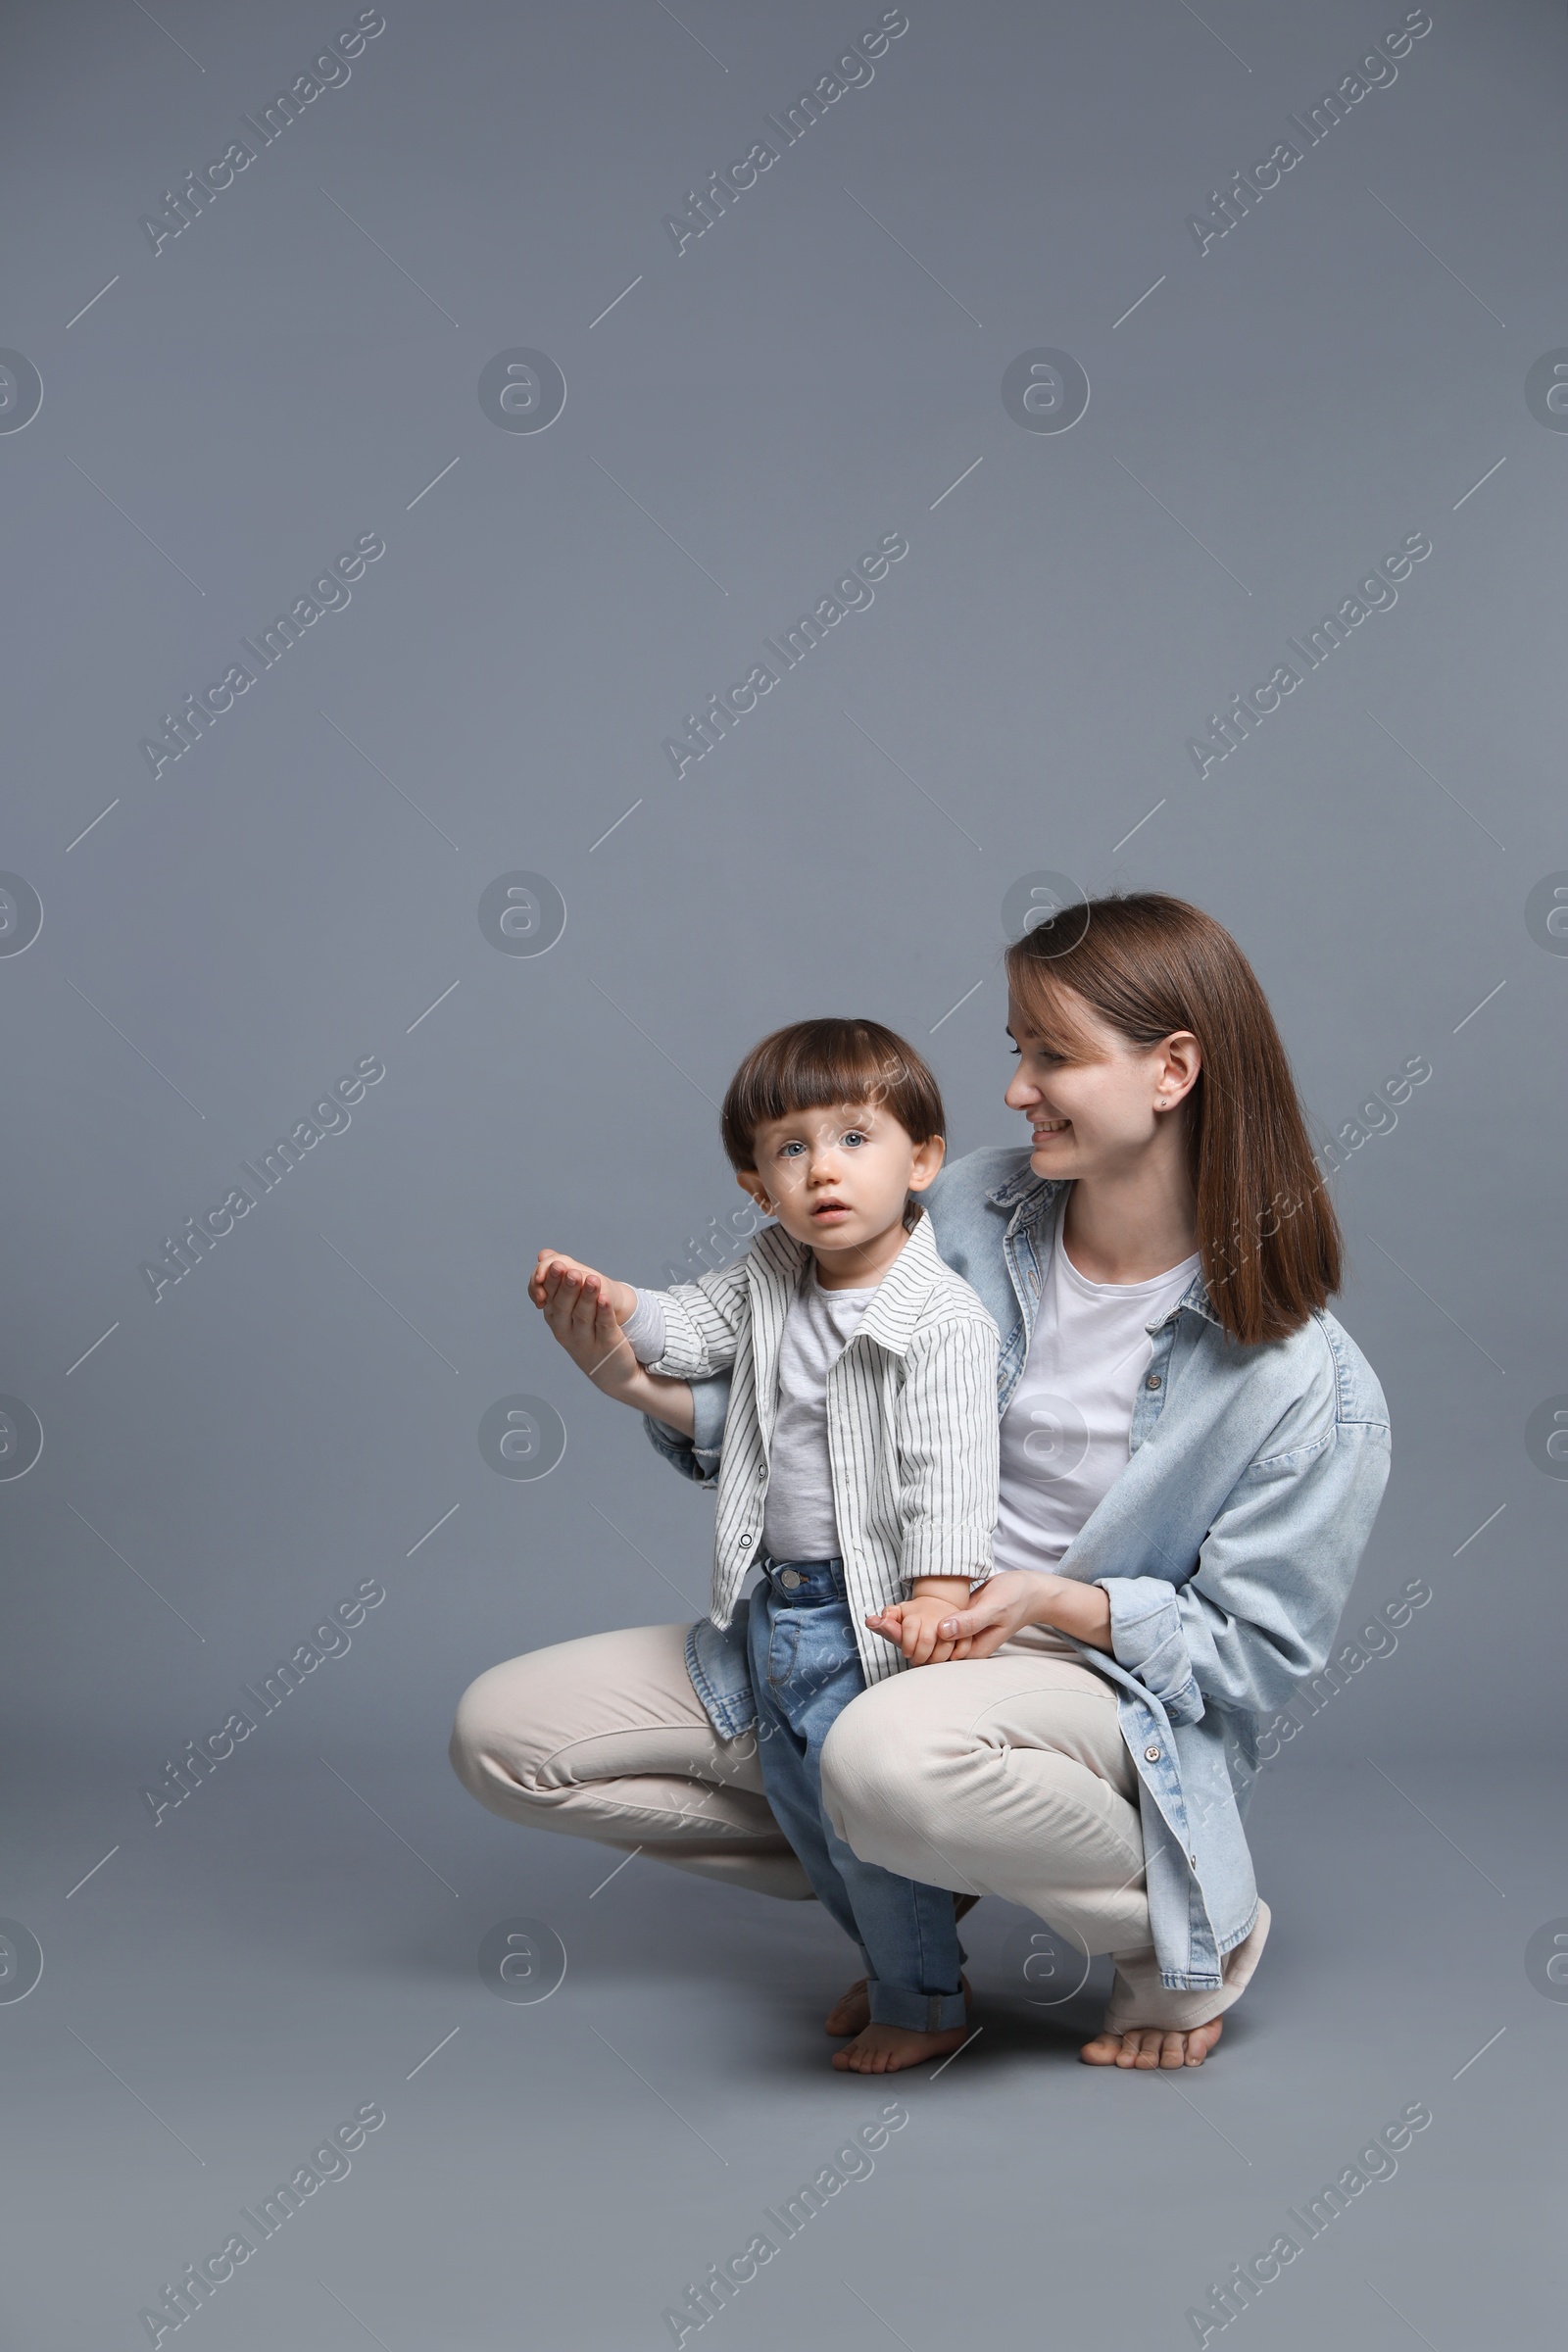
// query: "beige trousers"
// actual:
[[1002, 1775]]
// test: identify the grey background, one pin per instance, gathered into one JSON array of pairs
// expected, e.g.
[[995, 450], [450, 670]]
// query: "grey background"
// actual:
[[295, 369]]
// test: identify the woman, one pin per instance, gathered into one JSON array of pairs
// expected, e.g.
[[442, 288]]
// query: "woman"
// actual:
[[1192, 1454]]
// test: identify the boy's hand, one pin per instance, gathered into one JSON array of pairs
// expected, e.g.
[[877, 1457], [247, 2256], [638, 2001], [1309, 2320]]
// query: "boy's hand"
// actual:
[[620, 1298], [912, 1626], [585, 1311], [580, 1313]]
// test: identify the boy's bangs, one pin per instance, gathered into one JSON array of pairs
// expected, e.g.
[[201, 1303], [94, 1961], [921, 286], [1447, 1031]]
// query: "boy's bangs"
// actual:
[[816, 1065], [809, 1079]]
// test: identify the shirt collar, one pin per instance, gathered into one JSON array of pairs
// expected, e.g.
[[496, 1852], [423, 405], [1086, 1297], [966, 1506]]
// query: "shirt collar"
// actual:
[[1195, 1299], [894, 1307], [1020, 1184], [1042, 1191]]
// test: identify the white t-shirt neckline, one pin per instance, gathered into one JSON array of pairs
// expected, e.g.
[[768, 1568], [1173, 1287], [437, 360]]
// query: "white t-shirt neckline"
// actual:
[[1153, 1286]]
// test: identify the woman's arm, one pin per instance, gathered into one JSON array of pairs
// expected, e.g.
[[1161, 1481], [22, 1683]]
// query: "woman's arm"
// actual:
[[1274, 1573], [696, 1457], [1256, 1619], [1020, 1597]]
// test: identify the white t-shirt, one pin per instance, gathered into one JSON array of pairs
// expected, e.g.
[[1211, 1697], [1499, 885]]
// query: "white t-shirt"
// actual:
[[799, 1521], [1068, 1432]]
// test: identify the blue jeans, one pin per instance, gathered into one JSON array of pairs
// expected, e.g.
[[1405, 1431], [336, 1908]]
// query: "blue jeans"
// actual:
[[805, 1672]]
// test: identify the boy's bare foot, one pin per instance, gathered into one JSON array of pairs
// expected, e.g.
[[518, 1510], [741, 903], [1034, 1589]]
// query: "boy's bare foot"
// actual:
[[1154, 2046], [884, 2049], [850, 2012]]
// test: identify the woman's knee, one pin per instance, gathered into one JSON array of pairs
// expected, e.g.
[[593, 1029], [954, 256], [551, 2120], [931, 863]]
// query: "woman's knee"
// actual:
[[877, 1764], [490, 1733]]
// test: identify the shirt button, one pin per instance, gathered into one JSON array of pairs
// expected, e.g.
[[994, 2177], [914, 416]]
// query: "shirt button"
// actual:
[[1153, 1381], [1150, 1755]]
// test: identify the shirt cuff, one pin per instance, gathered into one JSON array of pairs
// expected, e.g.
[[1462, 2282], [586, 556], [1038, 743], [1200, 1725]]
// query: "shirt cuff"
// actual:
[[1146, 1637], [644, 1329]]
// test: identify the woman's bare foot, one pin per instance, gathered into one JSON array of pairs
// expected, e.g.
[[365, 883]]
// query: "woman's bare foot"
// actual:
[[1154, 2046], [850, 2012], [884, 2049]]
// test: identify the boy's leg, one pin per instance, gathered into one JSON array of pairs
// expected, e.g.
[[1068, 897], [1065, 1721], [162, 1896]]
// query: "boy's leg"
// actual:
[[804, 1671], [792, 1790], [605, 1737]]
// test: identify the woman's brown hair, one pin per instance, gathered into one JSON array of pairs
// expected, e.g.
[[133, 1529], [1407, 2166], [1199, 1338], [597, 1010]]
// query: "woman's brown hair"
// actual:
[[1148, 965]]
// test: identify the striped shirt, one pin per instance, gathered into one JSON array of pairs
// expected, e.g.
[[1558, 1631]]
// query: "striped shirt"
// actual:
[[911, 1414]]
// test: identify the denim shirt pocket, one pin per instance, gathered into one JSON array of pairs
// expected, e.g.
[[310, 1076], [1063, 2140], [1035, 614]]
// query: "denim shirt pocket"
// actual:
[[716, 1661]]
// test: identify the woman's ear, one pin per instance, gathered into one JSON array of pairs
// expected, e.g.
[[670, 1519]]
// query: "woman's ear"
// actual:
[[1181, 1064], [752, 1186]]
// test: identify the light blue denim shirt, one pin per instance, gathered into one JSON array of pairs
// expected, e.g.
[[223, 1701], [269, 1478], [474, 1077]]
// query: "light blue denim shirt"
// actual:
[[1227, 1546]]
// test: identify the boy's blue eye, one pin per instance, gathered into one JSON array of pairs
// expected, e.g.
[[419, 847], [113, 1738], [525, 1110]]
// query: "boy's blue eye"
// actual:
[[857, 1135], [785, 1150]]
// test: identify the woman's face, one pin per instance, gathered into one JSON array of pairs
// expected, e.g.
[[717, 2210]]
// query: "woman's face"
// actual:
[[1096, 1102]]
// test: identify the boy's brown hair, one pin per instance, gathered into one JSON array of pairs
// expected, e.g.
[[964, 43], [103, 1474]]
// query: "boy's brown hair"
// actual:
[[811, 1065]]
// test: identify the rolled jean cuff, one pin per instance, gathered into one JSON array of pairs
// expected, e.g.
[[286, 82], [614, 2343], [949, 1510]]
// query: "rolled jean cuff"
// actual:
[[916, 2012]]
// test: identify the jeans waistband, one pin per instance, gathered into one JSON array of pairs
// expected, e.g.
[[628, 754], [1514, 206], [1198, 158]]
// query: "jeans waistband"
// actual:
[[801, 1583]]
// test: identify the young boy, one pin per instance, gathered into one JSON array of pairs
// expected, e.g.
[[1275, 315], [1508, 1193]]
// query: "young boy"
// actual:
[[859, 1459]]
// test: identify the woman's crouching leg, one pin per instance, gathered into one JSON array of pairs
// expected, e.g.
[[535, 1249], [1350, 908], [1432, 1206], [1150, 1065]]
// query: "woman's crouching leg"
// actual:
[[1139, 1998], [1010, 1776], [1002, 1775], [605, 1737]]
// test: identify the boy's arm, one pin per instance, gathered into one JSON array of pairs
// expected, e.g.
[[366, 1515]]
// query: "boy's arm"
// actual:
[[947, 1435], [703, 1323], [581, 1307]]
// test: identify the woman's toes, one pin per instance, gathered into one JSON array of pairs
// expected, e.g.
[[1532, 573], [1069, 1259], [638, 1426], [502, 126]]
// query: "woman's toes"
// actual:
[[1200, 2042], [1149, 2046]]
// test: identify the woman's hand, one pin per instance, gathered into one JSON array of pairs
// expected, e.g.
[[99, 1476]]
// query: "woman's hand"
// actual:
[[1020, 1597]]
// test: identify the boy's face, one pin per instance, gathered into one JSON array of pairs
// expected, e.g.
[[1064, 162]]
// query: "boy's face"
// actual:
[[837, 1180]]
